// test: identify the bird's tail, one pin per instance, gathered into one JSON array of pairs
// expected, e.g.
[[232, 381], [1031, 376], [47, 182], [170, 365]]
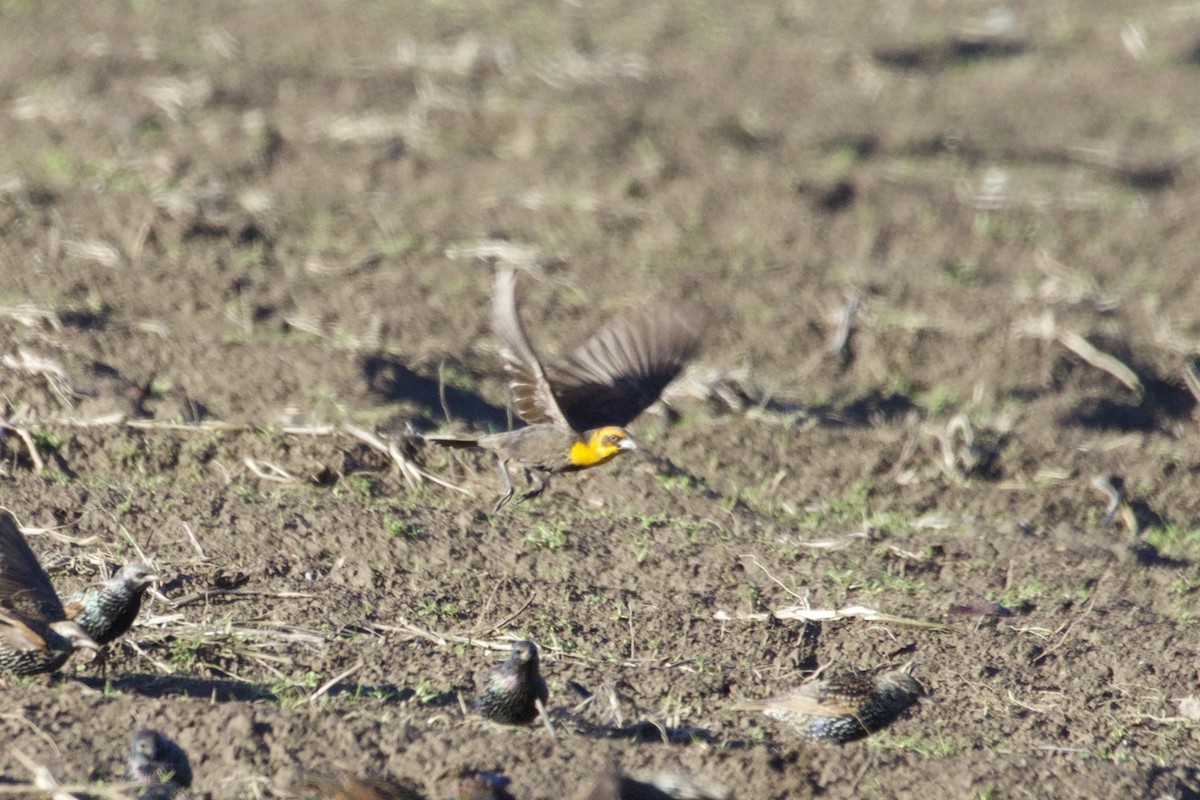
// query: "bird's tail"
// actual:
[[751, 706], [452, 441]]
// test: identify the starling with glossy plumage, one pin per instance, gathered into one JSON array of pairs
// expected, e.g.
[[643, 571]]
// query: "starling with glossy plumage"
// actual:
[[107, 611], [510, 693], [158, 762], [35, 634], [845, 707]]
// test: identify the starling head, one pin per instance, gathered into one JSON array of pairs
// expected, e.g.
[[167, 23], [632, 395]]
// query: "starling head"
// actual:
[[510, 693], [136, 576], [524, 654], [153, 758], [899, 685]]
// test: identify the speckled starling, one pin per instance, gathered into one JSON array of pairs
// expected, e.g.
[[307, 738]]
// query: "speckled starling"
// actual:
[[350, 787], [35, 635], [509, 694], [845, 707], [576, 410], [108, 611], [158, 762]]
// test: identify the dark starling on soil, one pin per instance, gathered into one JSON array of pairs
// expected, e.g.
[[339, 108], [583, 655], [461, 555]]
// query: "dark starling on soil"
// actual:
[[350, 787], [35, 635], [482, 786], [670, 785], [845, 707], [612, 785], [576, 411], [158, 762], [108, 611], [509, 694]]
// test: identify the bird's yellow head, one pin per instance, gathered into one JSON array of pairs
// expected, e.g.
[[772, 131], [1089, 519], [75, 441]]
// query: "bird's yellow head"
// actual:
[[601, 446]]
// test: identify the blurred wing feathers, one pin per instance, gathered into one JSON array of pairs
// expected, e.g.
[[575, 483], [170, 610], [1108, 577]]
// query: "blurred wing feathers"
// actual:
[[24, 586], [618, 373], [533, 399]]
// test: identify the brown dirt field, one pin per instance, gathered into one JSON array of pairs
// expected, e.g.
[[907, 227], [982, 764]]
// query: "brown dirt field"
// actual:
[[231, 231]]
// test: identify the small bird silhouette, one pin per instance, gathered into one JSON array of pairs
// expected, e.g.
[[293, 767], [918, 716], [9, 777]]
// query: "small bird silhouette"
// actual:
[[509, 694], [482, 786], [159, 763], [611, 784], [107, 611], [350, 787], [843, 707], [576, 411], [35, 634]]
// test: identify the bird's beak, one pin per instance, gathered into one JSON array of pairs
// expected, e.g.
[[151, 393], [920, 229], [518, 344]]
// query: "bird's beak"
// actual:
[[627, 444], [85, 642], [75, 635]]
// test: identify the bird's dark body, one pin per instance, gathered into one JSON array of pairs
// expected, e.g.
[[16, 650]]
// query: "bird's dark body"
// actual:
[[160, 763], [511, 692], [844, 707], [107, 612]]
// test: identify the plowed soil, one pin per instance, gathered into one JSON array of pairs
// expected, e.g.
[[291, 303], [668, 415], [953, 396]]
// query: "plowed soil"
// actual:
[[235, 233]]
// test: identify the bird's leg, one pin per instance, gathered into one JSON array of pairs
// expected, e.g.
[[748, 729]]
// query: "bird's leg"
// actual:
[[100, 662], [538, 485], [508, 486]]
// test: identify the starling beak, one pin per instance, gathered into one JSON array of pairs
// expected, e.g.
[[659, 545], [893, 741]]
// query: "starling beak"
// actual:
[[349, 787], [576, 411], [35, 635], [158, 762], [106, 612], [510, 693], [843, 707]]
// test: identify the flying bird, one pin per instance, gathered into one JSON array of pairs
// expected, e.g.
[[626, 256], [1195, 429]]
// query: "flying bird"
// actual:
[[843, 707], [576, 411]]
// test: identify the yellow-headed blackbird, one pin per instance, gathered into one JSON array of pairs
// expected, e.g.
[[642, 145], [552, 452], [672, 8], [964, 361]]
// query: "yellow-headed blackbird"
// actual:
[[35, 635], [843, 707], [576, 410]]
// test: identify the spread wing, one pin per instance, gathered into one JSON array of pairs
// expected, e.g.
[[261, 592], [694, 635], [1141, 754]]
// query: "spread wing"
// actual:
[[811, 699], [619, 372], [25, 587], [18, 636], [533, 399]]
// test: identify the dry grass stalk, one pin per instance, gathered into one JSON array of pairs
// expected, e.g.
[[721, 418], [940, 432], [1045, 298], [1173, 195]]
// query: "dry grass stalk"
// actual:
[[1101, 360], [44, 784], [825, 615]]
